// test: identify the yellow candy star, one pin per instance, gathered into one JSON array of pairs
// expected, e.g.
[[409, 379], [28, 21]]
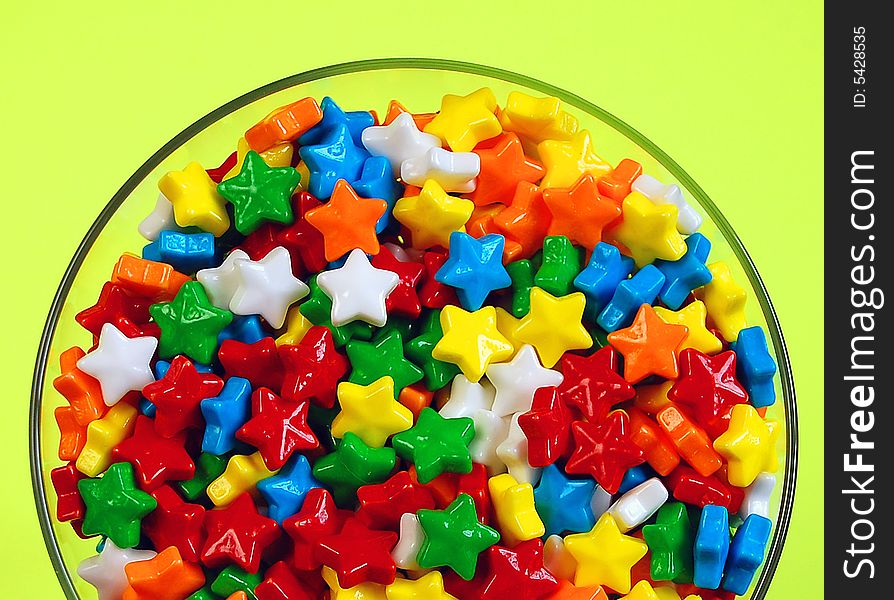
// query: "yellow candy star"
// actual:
[[277, 156], [537, 119], [652, 398], [566, 161], [692, 316], [427, 587], [642, 591], [296, 326], [553, 325], [667, 592], [103, 435], [513, 502], [364, 591], [508, 326], [195, 199], [605, 555], [725, 301], [649, 230], [749, 445], [370, 412], [433, 215], [241, 475], [471, 340], [466, 120]]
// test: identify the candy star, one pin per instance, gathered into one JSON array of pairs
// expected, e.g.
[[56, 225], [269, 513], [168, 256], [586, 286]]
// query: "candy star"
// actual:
[[566, 161], [120, 363], [221, 282], [335, 157], [427, 587], [516, 381], [649, 231], [561, 263], [746, 553], [258, 362], [194, 197], [372, 361], [592, 384], [358, 290], [72, 435], [436, 445], [317, 519], [279, 155], [278, 428], [471, 340], [466, 120], [285, 492], [176, 523], [490, 431], [475, 268], [376, 181], [267, 287], [102, 437], [166, 576], [526, 220], [260, 194], [370, 412], [404, 299], [358, 554], [513, 451], [725, 300], [357, 121], [649, 346], [757, 496], [437, 374], [128, 313], [708, 388], [454, 537], [688, 220], [313, 368], [605, 556], [241, 474], [711, 547], [503, 167], [160, 219], [637, 505], [156, 459], [670, 542], [238, 535], [514, 509], [398, 141], [687, 274], [547, 425], [467, 397], [382, 505], [453, 171], [563, 503], [693, 316], [105, 571], [364, 591], [749, 445], [189, 324], [284, 124], [756, 366], [537, 119], [553, 325], [432, 216], [115, 506], [579, 211], [629, 296], [411, 538], [347, 221], [604, 450], [352, 465], [178, 395]]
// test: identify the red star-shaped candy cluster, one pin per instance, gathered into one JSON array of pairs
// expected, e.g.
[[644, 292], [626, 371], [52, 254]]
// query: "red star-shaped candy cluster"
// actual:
[[176, 522], [259, 362], [238, 535], [517, 573], [313, 368], [318, 518], [277, 428], [592, 383], [177, 395], [155, 458], [708, 387], [604, 450]]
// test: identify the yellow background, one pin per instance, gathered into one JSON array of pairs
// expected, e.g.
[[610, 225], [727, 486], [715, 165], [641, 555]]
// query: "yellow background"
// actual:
[[732, 93]]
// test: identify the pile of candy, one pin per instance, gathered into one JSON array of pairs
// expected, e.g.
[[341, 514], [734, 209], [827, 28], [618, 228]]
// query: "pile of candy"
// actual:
[[518, 379]]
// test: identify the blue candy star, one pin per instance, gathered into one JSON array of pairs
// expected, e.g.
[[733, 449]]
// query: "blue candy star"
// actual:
[[599, 279], [630, 294], [333, 115], [711, 547], [247, 330], [475, 268], [377, 181], [684, 275], [335, 157], [225, 414], [755, 366], [286, 490], [564, 504], [746, 553]]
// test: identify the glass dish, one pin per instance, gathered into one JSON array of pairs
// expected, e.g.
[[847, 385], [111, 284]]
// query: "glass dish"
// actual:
[[419, 85]]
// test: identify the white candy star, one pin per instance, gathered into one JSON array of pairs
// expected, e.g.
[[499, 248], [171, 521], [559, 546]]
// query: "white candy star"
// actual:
[[688, 219], [408, 544], [454, 171], [600, 502], [398, 141], [490, 431], [161, 218], [757, 496], [517, 380], [105, 571], [557, 559], [358, 290], [221, 282], [636, 506], [513, 451], [466, 397], [267, 287], [121, 364]]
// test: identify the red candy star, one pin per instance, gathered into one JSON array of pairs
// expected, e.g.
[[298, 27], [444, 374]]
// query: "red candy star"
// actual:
[[592, 384], [404, 299], [302, 238], [517, 573], [259, 362], [281, 583], [237, 535], [433, 293], [313, 368], [383, 504], [177, 395], [547, 426], [358, 554], [176, 523], [474, 483], [69, 505], [708, 387], [318, 518], [155, 458], [526, 219], [689, 486], [604, 451], [503, 166], [579, 212], [277, 428], [128, 313]]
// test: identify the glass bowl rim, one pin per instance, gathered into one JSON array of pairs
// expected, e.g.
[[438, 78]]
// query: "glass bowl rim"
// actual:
[[774, 551]]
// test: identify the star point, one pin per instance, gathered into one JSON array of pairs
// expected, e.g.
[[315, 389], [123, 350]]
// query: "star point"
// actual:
[[121, 364]]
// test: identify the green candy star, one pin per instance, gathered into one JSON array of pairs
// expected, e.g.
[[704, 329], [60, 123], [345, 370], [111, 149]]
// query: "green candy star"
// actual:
[[437, 373], [233, 579], [260, 193], [670, 542], [317, 308], [561, 264], [385, 356], [454, 537], [190, 324], [521, 272], [352, 465], [208, 468], [435, 445], [115, 506]]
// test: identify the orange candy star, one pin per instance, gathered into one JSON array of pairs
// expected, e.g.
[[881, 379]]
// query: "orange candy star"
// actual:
[[580, 213], [82, 391], [568, 591], [526, 220], [503, 166], [165, 577], [347, 221], [649, 346], [483, 222], [284, 124], [72, 435]]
